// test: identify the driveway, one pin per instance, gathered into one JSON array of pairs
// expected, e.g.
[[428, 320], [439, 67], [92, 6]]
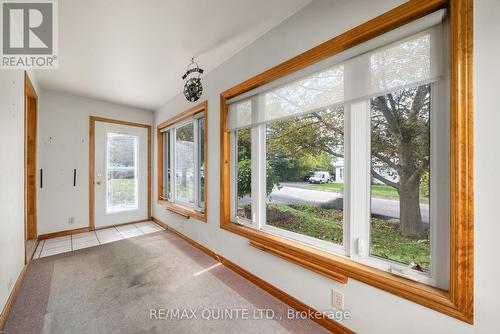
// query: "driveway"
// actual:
[[301, 192]]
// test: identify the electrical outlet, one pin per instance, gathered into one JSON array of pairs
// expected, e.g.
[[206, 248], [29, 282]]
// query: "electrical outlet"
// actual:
[[337, 299], [71, 220]]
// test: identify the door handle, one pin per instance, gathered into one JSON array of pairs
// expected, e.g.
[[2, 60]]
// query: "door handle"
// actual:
[[98, 183]]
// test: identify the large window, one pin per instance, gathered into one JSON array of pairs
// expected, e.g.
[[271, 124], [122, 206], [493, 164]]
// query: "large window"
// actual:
[[182, 158], [357, 163], [340, 157]]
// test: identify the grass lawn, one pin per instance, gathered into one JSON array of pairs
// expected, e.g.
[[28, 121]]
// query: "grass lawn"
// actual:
[[387, 242], [377, 189], [383, 190], [122, 191], [326, 224]]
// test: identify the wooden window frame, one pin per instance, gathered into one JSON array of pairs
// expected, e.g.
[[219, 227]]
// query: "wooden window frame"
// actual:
[[457, 301], [177, 208]]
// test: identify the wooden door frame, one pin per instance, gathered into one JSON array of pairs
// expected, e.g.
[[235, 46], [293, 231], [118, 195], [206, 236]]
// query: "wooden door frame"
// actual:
[[30, 226], [92, 120]]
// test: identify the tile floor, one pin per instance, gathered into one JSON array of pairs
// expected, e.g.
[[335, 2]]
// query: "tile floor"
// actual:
[[95, 238]]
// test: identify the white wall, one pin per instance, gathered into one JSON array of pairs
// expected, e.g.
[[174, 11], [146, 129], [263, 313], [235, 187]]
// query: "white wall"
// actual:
[[64, 146], [487, 160], [374, 311], [11, 179]]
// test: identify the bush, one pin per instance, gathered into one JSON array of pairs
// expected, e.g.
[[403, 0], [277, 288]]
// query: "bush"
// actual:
[[424, 185], [245, 178]]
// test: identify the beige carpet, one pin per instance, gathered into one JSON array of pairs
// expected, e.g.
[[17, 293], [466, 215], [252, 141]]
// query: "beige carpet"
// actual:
[[113, 288]]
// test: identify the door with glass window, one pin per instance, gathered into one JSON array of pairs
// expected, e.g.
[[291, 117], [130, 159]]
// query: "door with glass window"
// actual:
[[120, 174]]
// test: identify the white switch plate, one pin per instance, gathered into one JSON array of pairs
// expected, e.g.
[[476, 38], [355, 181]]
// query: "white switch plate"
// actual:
[[337, 299]]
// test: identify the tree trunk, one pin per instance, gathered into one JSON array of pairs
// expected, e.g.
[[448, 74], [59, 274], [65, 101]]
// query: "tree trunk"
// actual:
[[409, 207]]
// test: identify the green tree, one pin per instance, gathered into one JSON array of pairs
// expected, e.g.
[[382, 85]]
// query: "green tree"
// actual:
[[244, 173], [245, 167], [400, 135], [309, 163], [244, 177]]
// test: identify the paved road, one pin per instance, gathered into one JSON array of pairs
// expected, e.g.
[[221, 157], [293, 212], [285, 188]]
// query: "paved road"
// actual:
[[300, 192]]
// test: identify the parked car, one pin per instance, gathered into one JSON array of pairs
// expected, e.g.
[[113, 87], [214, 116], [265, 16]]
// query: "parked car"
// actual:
[[320, 177], [308, 176]]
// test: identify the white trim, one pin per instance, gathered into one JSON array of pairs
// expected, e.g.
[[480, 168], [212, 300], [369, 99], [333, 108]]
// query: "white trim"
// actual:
[[348, 229], [390, 266], [358, 169], [172, 164], [172, 132], [200, 149], [234, 176], [166, 157], [439, 197], [196, 173], [259, 164]]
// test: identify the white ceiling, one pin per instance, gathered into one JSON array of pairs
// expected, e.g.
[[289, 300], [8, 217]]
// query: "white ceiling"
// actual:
[[134, 52]]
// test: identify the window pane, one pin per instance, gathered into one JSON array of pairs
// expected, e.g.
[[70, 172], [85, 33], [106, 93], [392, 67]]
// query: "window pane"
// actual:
[[121, 150], [304, 182], [121, 181], [244, 173], [184, 163], [400, 160], [167, 168], [201, 155]]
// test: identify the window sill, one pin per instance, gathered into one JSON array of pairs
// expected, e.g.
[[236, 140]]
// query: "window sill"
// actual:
[[341, 269], [184, 211], [301, 262]]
